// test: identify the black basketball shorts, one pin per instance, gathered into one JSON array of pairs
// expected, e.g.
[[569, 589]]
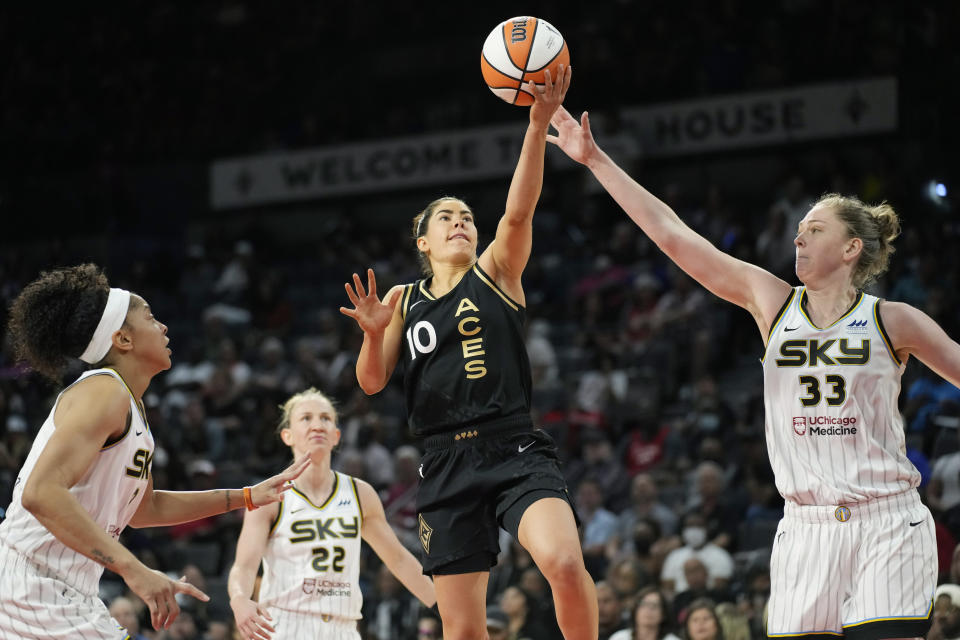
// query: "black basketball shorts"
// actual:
[[475, 481]]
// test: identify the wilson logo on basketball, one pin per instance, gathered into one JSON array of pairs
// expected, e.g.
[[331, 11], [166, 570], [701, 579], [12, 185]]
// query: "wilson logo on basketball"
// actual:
[[519, 31]]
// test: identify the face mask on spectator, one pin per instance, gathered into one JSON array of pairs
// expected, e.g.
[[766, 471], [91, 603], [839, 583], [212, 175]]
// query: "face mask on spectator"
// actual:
[[694, 536]]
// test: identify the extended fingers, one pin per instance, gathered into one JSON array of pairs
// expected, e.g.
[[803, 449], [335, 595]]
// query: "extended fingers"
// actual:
[[350, 294], [154, 606], [185, 587], [561, 117], [359, 286], [565, 75], [556, 86], [167, 611], [285, 479], [371, 282], [262, 620], [295, 469], [257, 627]]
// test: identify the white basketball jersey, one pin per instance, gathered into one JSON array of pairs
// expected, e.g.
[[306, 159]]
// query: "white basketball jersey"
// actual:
[[312, 560], [834, 432], [110, 492]]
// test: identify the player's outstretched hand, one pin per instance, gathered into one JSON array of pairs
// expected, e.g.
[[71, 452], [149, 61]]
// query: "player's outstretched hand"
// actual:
[[159, 592], [252, 620], [546, 102], [372, 315], [271, 490], [574, 138]]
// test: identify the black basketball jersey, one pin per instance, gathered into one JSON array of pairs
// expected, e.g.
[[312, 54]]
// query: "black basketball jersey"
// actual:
[[464, 353]]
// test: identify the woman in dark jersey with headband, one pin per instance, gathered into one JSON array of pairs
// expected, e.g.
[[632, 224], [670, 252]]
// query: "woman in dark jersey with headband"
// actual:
[[459, 331]]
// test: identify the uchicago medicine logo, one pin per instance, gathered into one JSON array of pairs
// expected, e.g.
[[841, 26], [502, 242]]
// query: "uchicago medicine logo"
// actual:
[[824, 426]]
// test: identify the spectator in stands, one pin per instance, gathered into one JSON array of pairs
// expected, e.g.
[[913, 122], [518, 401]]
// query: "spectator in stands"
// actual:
[[946, 613], [599, 525], [717, 560], [601, 465], [696, 575], [644, 504], [734, 625], [428, 627], [121, 608], [650, 618], [722, 508], [498, 624], [611, 609], [626, 576], [400, 502], [702, 622], [523, 623]]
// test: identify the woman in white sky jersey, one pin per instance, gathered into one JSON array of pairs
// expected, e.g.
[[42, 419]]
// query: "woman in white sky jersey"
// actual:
[[855, 554], [310, 542], [88, 473]]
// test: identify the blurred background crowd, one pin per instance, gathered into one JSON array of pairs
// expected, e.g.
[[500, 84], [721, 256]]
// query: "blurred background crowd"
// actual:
[[650, 386]]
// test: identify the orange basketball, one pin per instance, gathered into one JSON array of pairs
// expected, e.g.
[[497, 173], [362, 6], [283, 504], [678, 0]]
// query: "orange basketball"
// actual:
[[519, 50]]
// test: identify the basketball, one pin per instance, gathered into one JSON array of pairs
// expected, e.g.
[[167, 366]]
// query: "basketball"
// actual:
[[519, 50]]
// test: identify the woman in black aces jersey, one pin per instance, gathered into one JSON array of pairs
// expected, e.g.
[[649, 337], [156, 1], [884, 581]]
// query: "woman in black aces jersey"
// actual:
[[467, 383]]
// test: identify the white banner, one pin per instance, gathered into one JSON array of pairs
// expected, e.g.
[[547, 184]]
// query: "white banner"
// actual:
[[772, 117], [744, 120], [364, 168]]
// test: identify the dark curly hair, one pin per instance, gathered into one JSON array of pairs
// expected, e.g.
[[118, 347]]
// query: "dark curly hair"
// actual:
[[54, 317]]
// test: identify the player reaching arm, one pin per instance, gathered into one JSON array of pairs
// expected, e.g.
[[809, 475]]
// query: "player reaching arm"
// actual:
[[832, 366]]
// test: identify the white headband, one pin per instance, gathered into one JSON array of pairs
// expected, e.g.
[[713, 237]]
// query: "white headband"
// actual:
[[118, 302]]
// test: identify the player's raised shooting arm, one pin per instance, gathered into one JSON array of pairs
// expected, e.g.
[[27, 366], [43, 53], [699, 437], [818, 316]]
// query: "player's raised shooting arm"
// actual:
[[746, 285], [507, 256]]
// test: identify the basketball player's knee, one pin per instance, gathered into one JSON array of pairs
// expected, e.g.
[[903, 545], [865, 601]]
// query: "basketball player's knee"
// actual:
[[563, 569]]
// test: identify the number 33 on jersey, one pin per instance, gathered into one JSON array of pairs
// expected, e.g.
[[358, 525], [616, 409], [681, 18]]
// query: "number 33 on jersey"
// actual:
[[831, 404]]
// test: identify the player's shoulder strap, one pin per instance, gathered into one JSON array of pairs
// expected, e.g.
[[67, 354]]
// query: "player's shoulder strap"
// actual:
[[882, 330], [410, 293], [783, 310], [482, 276], [349, 483]]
